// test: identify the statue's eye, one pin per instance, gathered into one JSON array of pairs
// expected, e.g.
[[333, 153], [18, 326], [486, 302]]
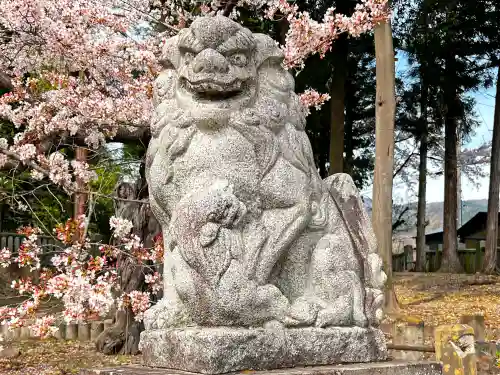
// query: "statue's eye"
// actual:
[[238, 59]]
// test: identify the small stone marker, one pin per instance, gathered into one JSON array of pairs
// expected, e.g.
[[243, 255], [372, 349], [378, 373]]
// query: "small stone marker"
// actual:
[[408, 333], [15, 334], [60, 334], [5, 332], [477, 323], [71, 331], [455, 348], [10, 352], [84, 332], [96, 329], [25, 333]]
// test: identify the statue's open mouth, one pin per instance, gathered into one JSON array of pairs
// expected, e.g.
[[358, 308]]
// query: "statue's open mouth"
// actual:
[[209, 90]]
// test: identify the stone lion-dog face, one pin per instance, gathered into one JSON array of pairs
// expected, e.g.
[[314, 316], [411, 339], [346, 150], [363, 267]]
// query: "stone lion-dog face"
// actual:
[[217, 64]]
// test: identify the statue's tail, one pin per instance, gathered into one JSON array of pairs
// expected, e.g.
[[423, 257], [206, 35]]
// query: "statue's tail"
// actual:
[[351, 206], [346, 196]]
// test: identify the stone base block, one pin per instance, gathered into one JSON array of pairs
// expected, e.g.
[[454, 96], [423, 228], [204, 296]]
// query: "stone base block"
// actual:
[[382, 368], [222, 349]]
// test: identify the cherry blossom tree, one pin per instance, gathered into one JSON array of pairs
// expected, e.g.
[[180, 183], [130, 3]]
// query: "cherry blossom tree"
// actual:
[[81, 74]]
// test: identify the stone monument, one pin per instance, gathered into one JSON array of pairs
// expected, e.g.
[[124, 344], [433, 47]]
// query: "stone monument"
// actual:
[[266, 264]]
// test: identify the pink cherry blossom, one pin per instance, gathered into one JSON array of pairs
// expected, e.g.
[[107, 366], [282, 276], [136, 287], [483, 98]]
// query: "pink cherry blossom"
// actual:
[[5, 257], [312, 98], [121, 227]]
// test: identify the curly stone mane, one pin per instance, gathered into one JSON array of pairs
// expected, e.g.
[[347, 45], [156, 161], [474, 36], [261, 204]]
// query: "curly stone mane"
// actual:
[[274, 106]]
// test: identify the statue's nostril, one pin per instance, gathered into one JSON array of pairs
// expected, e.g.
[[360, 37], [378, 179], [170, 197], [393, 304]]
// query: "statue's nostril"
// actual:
[[198, 67]]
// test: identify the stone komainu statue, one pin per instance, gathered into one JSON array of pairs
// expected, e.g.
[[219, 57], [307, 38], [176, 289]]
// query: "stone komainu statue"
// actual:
[[253, 236]]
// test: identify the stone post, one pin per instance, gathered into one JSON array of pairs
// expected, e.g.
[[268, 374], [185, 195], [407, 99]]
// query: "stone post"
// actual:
[[455, 348], [84, 332], [4, 332], [96, 329], [477, 324], [408, 333], [25, 333], [15, 334], [61, 332], [71, 331]]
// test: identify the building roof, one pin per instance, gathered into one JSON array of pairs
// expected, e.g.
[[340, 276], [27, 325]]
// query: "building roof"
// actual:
[[475, 225], [434, 237]]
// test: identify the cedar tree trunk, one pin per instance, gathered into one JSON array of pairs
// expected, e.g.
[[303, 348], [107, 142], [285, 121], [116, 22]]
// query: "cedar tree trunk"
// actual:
[[490, 256]]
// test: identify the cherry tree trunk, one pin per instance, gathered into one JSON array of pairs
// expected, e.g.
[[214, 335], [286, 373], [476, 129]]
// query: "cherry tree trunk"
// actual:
[[385, 107], [80, 203], [123, 336], [490, 256]]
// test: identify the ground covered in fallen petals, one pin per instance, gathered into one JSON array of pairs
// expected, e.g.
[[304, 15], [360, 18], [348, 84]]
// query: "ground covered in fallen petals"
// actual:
[[443, 298], [52, 357]]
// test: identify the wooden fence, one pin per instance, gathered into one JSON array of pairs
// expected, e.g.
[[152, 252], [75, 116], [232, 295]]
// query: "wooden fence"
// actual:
[[470, 259], [49, 244], [13, 241]]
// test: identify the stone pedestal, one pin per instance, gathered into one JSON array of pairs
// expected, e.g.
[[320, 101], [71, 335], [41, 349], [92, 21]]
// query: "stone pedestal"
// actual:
[[381, 368], [223, 349]]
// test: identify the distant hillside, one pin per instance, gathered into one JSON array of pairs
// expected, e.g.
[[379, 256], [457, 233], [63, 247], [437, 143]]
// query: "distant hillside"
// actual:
[[434, 213]]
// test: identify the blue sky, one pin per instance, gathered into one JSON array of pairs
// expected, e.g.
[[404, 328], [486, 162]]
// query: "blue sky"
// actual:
[[485, 102]]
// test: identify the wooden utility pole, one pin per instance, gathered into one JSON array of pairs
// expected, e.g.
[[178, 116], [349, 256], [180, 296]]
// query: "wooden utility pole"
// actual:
[[385, 108], [490, 256]]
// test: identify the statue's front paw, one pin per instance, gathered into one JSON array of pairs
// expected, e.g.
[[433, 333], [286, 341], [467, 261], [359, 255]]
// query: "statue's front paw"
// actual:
[[228, 210], [303, 312], [166, 314]]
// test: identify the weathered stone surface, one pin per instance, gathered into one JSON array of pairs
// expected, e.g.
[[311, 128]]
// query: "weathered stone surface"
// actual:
[[61, 332], [72, 331], [84, 331], [477, 324], [409, 333], [96, 329], [253, 236], [221, 350], [383, 368]]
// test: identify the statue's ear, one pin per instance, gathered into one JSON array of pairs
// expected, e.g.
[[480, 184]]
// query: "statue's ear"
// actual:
[[267, 50], [170, 55]]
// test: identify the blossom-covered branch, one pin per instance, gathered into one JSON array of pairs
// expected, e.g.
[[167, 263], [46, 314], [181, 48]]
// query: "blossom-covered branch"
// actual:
[[86, 284], [84, 69]]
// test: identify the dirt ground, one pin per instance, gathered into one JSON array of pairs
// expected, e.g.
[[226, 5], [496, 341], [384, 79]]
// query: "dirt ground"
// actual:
[[435, 298], [52, 357], [443, 298]]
